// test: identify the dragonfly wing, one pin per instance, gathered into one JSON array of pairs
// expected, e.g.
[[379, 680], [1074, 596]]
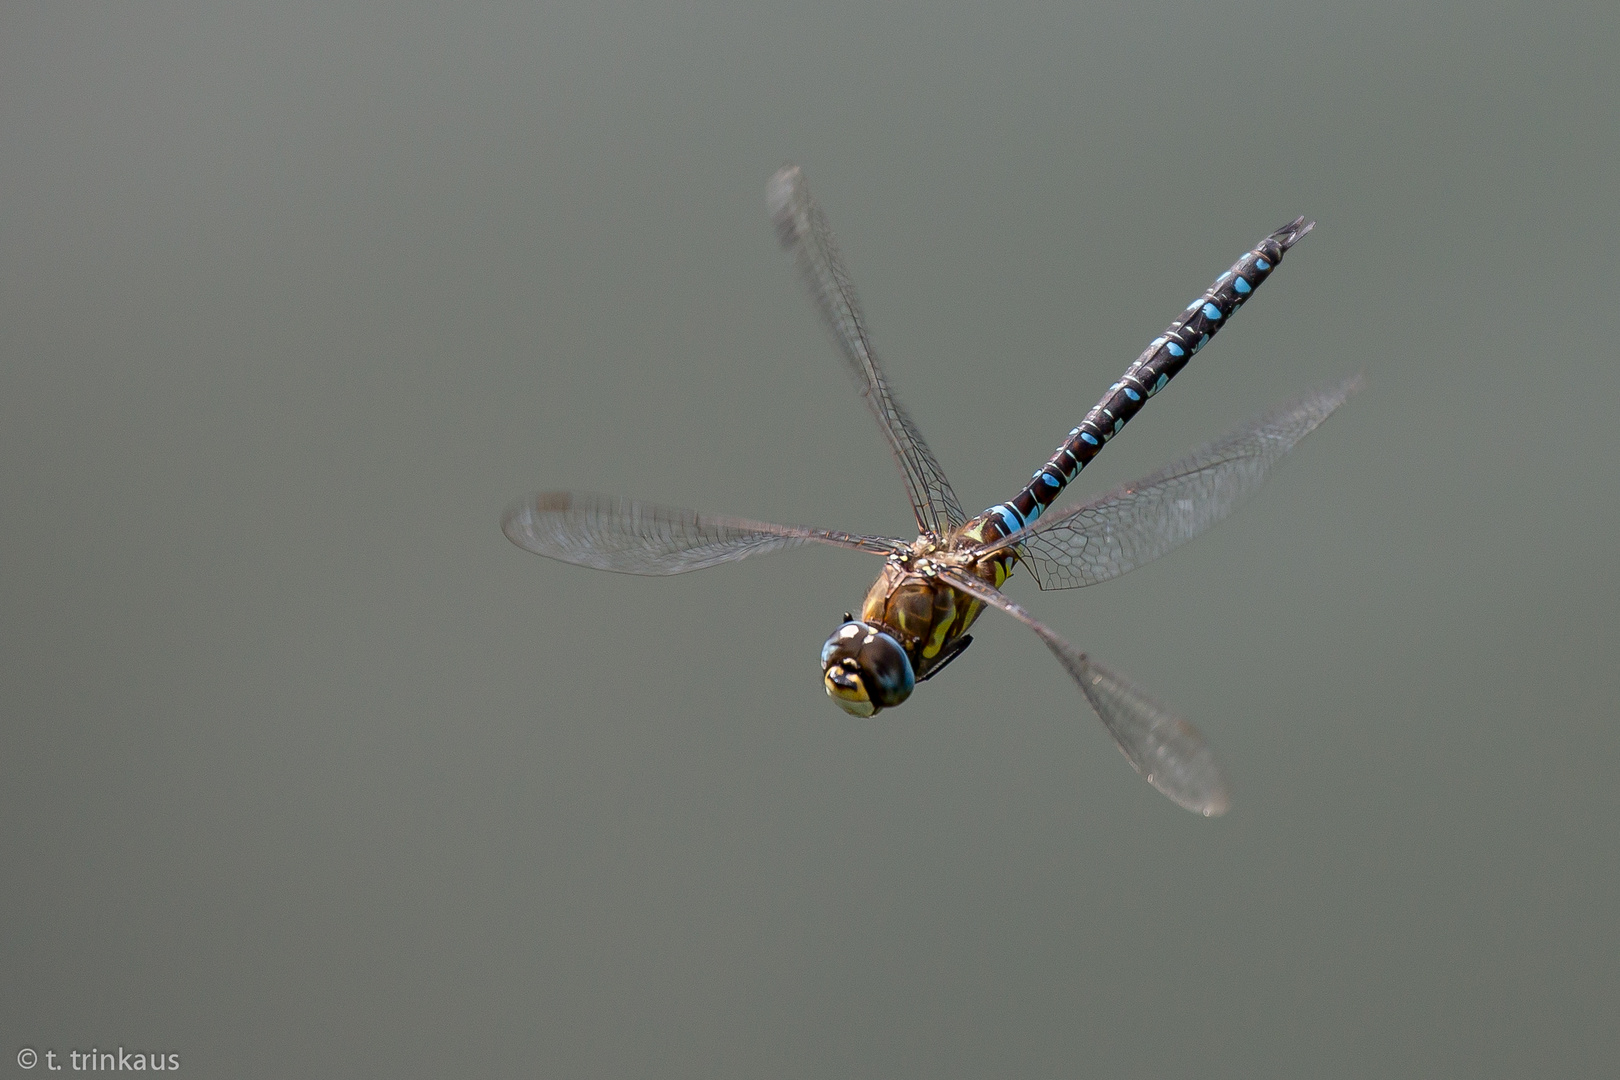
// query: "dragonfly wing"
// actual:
[[1167, 750], [803, 229], [1163, 747], [1140, 521], [631, 537]]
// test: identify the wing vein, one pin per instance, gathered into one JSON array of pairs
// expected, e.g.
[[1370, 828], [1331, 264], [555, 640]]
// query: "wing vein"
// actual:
[[1137, 522], [630, 537], [803, 229]]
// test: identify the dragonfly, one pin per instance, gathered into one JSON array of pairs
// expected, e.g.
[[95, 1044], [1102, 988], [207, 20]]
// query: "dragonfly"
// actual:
[[915, 618]]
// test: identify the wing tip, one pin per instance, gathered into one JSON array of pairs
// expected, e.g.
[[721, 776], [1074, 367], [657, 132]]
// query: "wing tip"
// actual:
[[1332, 395], [518, 521], [515, 522], [785, 177], [1211, 800], [1216, 805], [779, 198], [512, 526]]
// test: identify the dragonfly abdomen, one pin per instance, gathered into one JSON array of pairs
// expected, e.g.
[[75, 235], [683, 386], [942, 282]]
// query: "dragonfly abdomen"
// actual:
[[1164, 357]]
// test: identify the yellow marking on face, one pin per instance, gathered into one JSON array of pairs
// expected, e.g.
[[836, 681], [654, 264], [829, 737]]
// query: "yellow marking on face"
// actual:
[[853, 699]]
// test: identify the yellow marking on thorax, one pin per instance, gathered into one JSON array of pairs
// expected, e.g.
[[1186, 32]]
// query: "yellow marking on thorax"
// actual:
[[944, 617]]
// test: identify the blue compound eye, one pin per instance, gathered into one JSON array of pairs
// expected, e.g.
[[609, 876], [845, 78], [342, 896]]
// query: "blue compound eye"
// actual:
[[845, 641]]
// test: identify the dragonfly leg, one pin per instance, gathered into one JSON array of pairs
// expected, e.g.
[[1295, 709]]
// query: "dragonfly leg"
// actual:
[[952, 651]]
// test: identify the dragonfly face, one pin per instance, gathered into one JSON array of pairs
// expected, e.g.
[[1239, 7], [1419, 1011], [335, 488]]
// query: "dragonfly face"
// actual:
[[865, 669]]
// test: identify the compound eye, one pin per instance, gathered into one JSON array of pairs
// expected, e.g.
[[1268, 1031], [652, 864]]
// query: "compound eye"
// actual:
[[845, 641], [887, 669]]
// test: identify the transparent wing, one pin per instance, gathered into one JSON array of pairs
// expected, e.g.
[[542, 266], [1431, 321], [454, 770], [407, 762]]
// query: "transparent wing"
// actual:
[[803, 229], [1138, 522], [1168, 752], [631, 537]]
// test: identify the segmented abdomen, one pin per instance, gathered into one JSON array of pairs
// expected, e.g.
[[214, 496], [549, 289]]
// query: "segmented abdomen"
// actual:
[[1166, 355]]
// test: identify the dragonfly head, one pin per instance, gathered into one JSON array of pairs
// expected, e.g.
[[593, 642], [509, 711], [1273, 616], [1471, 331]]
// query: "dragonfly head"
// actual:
[[865, 669]]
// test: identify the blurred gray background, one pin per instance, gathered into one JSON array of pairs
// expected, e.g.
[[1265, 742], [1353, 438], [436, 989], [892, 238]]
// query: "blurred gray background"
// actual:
[[307, 771]]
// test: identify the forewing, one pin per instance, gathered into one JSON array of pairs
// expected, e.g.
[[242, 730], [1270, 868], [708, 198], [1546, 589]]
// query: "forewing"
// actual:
[[803, 229], [1167, 750], [1138, 522], [630, 537]]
